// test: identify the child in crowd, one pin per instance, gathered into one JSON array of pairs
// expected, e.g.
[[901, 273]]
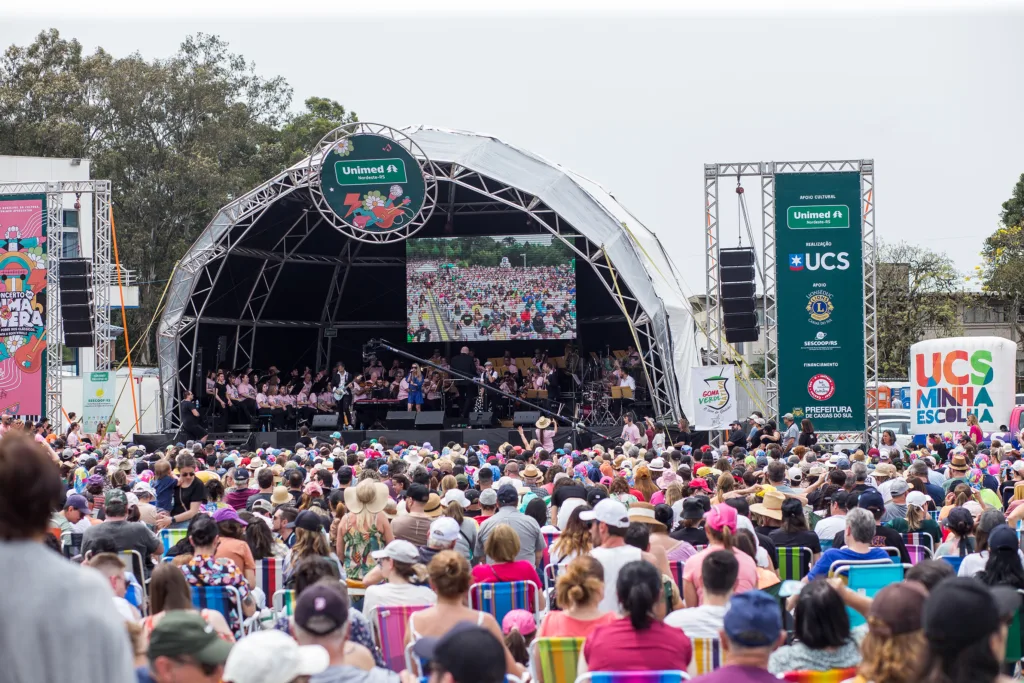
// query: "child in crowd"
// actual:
[[519, 629], [164, 485]]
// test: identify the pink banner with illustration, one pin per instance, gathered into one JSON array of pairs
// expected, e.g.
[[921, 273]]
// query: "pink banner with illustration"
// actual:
[[23, 305]]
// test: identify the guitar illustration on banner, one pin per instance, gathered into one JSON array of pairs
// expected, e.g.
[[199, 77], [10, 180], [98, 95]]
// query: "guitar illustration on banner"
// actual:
[[29, 357]]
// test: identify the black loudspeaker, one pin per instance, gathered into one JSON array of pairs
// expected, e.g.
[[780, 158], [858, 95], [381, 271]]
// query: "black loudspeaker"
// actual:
[[484, 418], [514, 439], [401, 419], [428, 419], [450, 435], [739, 302], [525, 418], [329, 421], [76, 305]]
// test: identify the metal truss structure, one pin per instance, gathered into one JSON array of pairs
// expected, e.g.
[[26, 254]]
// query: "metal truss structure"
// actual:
[[102, 273], [204, 264], [720, 351]]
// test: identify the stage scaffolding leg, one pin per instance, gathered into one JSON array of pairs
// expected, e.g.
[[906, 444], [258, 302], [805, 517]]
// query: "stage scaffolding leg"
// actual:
[[54, 335]]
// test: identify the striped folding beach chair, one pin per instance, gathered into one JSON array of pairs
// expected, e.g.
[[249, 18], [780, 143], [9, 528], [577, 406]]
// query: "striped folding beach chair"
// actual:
[[830, 676], [270, 575], [283, 602], [633, 677], [554, 660], [934, 514], [793, 563], [919, 538], [171, 537], [700, 546], [389, 624], [707, 655], [498, 599], [550, 537], [133, 562], [224, 599], [676, 567]]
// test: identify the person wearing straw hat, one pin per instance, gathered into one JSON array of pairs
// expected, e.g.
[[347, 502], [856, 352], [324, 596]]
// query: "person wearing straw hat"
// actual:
[[958, 471], [364, 529], [545, 433], [770, 510]]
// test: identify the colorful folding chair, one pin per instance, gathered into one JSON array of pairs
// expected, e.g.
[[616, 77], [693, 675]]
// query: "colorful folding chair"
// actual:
[[133, 562], [389, 624], [953, 560], [707, 655], [919, 538], [830, 676], [918, 553], [793, 563], [868, 580], [698, 547], [676, 567], [283, 602], [934, 514], [554, 660], [224, 599], [550, 537], [171, 537], [633, 677], [270, 575], [498, 599], [551, 574]]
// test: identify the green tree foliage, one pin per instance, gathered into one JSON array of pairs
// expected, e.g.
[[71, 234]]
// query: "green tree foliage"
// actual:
[[918, 291], [178, 137], [1013, 208]]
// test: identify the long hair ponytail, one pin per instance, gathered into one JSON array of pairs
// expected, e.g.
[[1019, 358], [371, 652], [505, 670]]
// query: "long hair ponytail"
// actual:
[[639, 589]]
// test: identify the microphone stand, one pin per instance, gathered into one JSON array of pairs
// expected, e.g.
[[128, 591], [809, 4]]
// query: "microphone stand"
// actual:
[[576, 426]]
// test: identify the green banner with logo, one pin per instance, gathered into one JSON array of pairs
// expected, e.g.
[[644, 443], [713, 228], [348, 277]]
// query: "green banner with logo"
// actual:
[[372, 183], [820, 299]]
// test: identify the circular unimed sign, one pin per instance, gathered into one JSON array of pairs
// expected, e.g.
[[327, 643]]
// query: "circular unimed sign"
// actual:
[[821, 387], [370, 182]]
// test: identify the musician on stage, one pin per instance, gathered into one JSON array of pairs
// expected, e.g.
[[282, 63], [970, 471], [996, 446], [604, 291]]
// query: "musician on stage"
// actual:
[[490, 378], [550, 374], [247, 398], [325, 403], [464, 364], [339, 385]]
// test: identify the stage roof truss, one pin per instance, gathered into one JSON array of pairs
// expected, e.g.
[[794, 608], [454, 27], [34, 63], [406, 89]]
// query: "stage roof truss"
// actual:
[[660, 317]]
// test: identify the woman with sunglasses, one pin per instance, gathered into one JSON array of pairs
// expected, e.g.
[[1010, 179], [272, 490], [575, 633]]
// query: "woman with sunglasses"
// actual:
[[188, 497]]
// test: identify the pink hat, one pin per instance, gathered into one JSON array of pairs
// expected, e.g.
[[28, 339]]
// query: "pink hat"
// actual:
[[721, 516], [519, 619]]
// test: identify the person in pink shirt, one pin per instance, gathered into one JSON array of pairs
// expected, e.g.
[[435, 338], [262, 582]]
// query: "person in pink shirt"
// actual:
[[502, 547], [721, 528]]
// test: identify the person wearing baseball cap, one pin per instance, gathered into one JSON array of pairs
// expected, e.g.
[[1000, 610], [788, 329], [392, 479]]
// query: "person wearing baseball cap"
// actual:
[[488, 504], [965, 625], [751, 631], [531, 540], [321, 618], [125, 535], [400, 565], [896, 506], [609, 521], [273, 657], [183, 647], [467, 653]]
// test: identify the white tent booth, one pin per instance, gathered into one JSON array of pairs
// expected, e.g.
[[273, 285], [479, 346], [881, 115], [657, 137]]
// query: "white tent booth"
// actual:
[[269, 281]]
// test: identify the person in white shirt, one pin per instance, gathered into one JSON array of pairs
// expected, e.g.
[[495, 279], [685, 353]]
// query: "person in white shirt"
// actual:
[[630, 432], [827, 528], [720, 570], [611, 520], [404, 574]]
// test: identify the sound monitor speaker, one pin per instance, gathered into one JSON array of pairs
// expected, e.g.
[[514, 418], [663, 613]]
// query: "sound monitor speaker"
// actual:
[[69, 313], [329, 421], [401, 419], [738, 290], [76, 283], [75, 266], [738, 302], [737, 274], [77, 341], [78, 326], [430, 419], [740, 320], [73, 297], [483, 418], [450, 435], [354, 436], [730, 258], [525, 418]]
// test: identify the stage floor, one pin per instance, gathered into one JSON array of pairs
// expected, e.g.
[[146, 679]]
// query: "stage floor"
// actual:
[[437, 438]]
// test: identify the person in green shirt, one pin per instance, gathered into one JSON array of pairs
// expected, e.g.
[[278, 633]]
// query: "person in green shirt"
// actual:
[[918, 520]]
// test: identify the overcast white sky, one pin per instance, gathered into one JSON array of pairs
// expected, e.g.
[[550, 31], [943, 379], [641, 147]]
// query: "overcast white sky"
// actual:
[[640, 103]]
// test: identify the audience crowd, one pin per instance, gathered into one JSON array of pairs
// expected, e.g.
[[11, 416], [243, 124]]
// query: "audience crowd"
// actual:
[[730, 564]]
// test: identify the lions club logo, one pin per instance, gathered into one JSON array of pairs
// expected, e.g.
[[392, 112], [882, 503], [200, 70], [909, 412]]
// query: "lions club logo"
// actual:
[[820, 307]]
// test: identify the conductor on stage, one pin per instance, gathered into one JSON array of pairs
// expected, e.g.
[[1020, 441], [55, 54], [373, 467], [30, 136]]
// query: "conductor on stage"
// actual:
[[464, 364]]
